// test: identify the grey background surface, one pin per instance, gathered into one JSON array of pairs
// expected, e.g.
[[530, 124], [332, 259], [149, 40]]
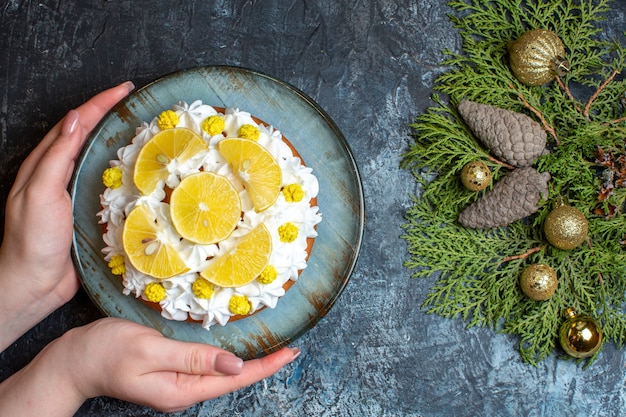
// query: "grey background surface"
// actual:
[[371, 65]]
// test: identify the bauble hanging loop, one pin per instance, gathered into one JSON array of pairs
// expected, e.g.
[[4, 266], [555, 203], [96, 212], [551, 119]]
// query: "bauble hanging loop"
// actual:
[[537, 56], [580, 336]]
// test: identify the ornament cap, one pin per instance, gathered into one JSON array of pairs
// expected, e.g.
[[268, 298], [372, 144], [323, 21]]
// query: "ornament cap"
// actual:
[[569, 313], [561, 66]]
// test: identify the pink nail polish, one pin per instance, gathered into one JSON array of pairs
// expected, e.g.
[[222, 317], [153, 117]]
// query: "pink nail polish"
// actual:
[[130, 86], [70, 122], [228, 364], [296, 353]]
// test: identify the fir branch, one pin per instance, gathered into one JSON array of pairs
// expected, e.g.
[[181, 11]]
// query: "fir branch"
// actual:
[[477, 271], [598, 91], [537, 113], [525, 254], [569, 93]]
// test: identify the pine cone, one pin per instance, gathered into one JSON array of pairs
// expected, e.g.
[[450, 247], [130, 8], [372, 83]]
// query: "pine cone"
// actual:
[[514, 197], [512, 137]]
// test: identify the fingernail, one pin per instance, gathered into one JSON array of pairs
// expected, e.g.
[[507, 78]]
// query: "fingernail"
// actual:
[[70, 122], [228, 364], [296, 352], [130, 86]]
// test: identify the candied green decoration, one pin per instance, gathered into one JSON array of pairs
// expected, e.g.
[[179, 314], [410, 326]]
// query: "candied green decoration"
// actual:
[[475, 272]]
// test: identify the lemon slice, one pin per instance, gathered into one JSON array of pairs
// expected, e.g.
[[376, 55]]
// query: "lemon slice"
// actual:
[[177, 144], [145, 249], [244, 262], [205, 207], [256, 168]]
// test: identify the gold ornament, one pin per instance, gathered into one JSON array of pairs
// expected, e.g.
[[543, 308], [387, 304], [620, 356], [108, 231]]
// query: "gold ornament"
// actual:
[[537, 56], [580, 336], [538, 282], [566, 227], [476, 176]]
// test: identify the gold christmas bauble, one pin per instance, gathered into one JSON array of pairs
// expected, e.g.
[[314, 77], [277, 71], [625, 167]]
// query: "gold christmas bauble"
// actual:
[[566, 227], [580, 336], [476, 176], [537, 56], [538, 282]]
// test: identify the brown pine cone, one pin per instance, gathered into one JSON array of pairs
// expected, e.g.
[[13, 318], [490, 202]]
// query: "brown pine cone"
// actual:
[[512, 137], [512, 198]]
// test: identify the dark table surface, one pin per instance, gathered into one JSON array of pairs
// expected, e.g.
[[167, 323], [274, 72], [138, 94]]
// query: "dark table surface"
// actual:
[[371, 66]]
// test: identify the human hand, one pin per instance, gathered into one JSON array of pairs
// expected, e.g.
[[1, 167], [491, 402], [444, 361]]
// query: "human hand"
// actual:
[[125, 360], [36, 271]]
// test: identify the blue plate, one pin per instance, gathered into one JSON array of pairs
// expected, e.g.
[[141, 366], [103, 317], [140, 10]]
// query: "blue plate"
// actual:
[[321, 145]]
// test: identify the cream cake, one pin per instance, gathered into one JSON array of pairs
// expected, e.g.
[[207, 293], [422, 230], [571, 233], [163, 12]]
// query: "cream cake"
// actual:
[[267, 233]]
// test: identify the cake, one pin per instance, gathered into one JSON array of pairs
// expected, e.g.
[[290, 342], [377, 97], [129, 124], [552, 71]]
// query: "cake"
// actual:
[[192, 229]]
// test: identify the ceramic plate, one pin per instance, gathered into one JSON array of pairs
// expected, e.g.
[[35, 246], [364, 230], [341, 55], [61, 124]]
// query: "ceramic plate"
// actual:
[[322, 147]]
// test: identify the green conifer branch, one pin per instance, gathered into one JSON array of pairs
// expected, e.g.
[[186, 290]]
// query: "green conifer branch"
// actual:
[[477, 272]]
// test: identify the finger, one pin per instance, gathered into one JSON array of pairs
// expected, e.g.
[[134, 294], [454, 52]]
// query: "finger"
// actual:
[[196, 358], [90, 113], [258, 369], [253, 371], [191, 389], [94, 110]]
